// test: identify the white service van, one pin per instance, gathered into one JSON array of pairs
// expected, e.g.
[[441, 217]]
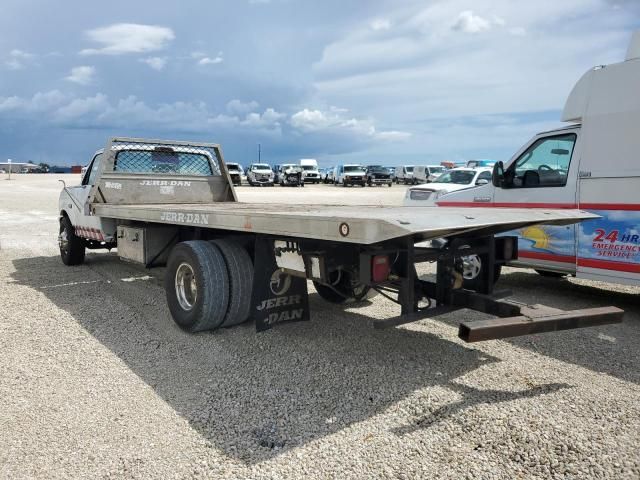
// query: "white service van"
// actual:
[[427, 173], [310, 171], [593, 164], [404, 174]]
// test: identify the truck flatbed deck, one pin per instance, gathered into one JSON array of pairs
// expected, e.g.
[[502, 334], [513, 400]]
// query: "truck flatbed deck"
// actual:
[[173, 203], [364, 224]]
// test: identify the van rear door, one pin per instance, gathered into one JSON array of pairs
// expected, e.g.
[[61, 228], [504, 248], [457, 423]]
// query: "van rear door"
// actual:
[[544, 175]]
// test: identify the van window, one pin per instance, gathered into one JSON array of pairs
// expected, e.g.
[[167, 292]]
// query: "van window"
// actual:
[[544, 164]]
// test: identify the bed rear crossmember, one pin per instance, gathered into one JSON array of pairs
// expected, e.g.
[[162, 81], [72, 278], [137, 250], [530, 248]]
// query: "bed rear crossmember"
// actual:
[[445, 296]]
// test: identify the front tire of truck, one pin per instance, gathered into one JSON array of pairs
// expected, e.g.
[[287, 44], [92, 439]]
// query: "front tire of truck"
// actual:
[[240, 270], [71, 246], [197, 287]]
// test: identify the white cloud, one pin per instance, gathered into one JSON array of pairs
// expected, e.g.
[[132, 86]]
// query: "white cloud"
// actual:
[[39, 102], [11, 103], [98, 111], [198, 54], [157, 63], [211, 61], [422, 69], [83, 75], [18, 59], [269, 118], [16, 53], [380, 24], [469, 23], [312, 121], [330, 129], [393, 135], [239, 107], [122, 38], [80, 107], [14, 64]]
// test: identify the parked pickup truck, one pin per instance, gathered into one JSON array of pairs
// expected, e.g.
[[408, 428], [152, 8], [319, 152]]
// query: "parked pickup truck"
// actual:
[[173, 203]]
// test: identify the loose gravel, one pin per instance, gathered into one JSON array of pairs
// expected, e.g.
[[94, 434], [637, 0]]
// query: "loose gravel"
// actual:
[[96, 381]]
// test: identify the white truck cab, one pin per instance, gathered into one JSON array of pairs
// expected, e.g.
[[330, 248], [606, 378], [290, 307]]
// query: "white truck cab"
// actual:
[[73, 204], [593, 164]]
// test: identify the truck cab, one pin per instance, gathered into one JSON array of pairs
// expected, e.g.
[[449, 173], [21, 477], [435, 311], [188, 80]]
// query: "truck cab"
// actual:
[[591, 164]]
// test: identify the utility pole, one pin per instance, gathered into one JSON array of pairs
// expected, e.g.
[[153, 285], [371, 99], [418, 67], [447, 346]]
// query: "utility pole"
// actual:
[[9, 161], [259, 148]]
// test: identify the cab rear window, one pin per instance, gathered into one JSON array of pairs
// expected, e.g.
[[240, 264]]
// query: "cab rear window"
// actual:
[[165, 161]]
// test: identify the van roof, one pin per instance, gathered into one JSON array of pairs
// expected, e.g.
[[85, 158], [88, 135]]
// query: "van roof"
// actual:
[[561, 128]]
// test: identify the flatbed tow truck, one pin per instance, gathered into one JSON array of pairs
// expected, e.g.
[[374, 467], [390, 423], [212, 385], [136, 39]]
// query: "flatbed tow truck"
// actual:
[[173, 203]]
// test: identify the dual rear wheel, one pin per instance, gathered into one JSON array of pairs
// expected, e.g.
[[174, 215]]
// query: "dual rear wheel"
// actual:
[[208, 284]]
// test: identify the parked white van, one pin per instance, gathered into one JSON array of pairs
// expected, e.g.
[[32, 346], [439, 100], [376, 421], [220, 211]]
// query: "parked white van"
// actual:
[[427, 173], [310, 171], [404, 174], [352, 174], [593, 164]]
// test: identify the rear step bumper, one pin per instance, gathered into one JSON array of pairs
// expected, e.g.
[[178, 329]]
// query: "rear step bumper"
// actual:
[[531, 322], [513, 319]]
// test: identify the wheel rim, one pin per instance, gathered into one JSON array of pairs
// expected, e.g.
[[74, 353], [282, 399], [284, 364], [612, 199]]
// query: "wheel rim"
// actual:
[[471, 267], [186, 286], [63, 240]]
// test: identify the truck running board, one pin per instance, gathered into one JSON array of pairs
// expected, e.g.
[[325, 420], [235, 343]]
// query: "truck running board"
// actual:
[[537, 320]]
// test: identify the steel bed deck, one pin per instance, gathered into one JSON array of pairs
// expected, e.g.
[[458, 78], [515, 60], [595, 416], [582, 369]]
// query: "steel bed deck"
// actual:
[[364, 224]]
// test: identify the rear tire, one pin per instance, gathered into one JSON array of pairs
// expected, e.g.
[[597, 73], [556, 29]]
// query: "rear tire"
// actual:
[[550, 274], [197, 286], [240, 270], [71, 246], [474, 281]]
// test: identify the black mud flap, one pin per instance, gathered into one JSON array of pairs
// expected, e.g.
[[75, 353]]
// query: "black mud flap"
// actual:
[[277, 297]]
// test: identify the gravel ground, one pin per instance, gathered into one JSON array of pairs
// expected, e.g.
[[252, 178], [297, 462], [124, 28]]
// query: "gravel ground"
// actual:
[[96, 381]]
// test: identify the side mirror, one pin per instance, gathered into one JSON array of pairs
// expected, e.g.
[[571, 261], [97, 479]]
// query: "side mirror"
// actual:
[[482, 181], [497, 176]]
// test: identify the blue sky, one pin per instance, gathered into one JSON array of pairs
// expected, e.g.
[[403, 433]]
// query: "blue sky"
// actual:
[[369, 81]]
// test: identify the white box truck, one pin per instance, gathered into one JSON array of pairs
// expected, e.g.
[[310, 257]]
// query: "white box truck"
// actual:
[[592, 164]]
